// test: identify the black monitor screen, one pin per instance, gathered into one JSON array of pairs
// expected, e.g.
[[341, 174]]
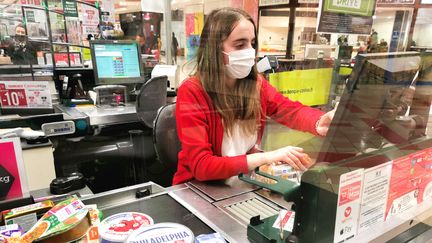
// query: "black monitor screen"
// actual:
[[383, 104], [116, 62], [344, 52]]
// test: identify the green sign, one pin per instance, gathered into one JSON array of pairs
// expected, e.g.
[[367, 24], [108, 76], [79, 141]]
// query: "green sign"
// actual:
[[354, 7], [70, 8]]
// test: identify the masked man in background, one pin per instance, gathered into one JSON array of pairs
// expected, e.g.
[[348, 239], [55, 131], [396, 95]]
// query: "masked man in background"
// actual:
[[20, 50]]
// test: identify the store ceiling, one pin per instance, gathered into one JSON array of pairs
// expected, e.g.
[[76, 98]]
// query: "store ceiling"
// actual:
[[125, 6], [120, 3]]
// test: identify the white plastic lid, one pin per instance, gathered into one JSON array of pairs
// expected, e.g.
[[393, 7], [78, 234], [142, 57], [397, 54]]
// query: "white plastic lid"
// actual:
[[118, 227], [162, 232]]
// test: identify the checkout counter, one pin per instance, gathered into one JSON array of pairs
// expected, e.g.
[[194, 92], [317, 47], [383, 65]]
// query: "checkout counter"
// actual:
[[246, 212], [216, 207], [227, 209]]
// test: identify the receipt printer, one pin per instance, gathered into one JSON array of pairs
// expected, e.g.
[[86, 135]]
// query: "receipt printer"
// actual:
[[169, 70], [267, 63], [111, 95]]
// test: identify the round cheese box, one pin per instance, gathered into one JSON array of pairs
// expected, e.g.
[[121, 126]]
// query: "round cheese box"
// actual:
[[162, 232], [118, 227]]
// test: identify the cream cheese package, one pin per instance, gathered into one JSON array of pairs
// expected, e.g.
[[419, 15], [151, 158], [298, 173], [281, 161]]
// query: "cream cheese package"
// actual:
[[118, 227], [162, 232], [285, 171]]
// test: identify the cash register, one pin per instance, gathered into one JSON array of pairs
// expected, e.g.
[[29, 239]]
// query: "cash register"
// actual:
[[118, 73], [116, 63]]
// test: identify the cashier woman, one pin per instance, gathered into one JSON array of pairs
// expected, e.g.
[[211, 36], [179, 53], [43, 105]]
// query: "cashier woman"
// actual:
[[221, 109]]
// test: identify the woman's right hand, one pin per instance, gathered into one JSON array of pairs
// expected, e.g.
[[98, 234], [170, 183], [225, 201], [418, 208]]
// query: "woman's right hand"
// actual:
[[288, 155]]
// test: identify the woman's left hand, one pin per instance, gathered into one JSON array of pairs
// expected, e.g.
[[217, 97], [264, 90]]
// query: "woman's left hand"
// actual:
[[323, 123]]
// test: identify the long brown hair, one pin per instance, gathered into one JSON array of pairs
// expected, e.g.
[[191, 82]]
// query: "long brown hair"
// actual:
[[241, 102]]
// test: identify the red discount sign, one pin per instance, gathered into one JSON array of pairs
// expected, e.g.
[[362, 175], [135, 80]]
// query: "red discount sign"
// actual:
[[25, 94], [13, 98]]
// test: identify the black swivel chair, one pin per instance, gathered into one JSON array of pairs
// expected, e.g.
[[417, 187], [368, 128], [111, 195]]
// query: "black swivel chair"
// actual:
[[165, 138], [152, 96]]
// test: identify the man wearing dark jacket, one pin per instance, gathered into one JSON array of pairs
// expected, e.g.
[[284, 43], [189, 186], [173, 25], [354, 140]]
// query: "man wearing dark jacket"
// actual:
[[20, 50]]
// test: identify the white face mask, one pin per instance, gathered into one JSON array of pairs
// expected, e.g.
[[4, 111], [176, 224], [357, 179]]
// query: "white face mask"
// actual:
[[240, 63]]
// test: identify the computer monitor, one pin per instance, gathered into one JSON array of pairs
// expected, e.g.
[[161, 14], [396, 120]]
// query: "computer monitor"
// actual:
[[313, 51], [381, 105], [117, 62]]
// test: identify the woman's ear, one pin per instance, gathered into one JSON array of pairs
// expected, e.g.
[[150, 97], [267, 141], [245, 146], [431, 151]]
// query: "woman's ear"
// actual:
[[225, 58]]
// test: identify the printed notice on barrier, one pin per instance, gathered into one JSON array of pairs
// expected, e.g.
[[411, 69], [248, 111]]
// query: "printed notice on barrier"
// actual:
[[348, 207], [376, 183], [426, 188], [411, 182], [25, 94], [421, 172]]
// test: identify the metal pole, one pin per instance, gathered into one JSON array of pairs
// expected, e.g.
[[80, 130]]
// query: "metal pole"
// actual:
[[28, 40], [291, 28], [168, 30], [50, 34]]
